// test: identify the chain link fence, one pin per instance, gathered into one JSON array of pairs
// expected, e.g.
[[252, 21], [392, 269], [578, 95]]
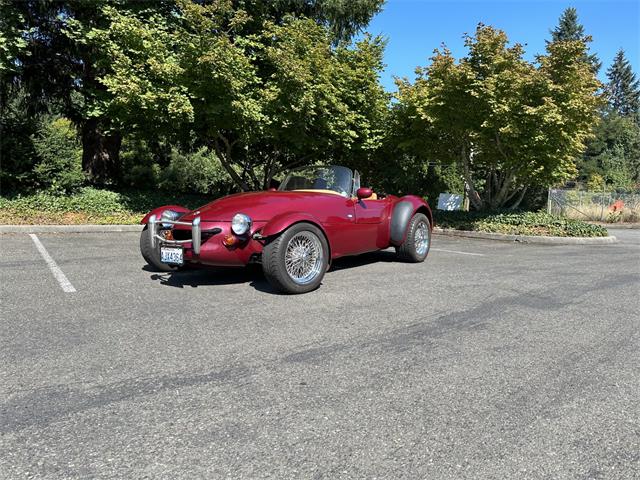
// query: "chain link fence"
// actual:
[[596, 206]]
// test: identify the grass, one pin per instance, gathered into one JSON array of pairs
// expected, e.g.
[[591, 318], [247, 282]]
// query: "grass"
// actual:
[[598, 214], [518, 223], [89, 206]]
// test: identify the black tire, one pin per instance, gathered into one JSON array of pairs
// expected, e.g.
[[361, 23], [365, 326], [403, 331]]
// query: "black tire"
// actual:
[[275, 252], [411, 250], [152, 255]]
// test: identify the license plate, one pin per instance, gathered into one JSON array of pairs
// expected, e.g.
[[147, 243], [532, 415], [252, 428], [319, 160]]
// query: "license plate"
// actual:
[[171, 255]]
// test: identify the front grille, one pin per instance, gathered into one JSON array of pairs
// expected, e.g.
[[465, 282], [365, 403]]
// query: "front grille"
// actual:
[[186, 234], [182, 234]]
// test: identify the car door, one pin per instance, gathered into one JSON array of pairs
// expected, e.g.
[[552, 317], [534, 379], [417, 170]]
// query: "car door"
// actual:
[[369, 218]]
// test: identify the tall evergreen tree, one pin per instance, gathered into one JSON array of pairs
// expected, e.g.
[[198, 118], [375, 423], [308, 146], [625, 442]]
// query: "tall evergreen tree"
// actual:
[[570, 29], [623, 88]]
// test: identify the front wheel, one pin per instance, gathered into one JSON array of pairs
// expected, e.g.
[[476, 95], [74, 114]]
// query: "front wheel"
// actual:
[[152, 255], [418, 242], [295, 262]]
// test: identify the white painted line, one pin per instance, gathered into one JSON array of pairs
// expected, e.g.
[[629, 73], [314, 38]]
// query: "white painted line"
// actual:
[[456, 251], [53, 266]]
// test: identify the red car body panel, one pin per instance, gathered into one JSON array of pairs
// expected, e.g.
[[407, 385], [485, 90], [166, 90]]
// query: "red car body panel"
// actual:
[[351, 226]]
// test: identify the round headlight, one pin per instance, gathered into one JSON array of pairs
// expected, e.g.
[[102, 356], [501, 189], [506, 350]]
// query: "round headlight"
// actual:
[[169, 215], [240, 224]]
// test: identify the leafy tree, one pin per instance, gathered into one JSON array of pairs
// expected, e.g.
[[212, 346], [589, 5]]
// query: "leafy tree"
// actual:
[[54, 50], [623, 88], [263, 101], [59, 67], [343, 18], [569, 30], [506, 123], [59, 167], [614, 152]]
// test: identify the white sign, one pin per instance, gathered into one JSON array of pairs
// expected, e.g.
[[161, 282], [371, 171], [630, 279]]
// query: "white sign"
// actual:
[[450, 201]]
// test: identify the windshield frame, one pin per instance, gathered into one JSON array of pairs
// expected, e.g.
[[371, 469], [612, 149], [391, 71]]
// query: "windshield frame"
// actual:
[[346, 186]]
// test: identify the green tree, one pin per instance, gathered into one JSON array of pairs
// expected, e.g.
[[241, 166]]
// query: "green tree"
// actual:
[[264, 101], [505, 122], [614, 152], [623, 88], [59, 153], [569, 30], [59, 67], [53, 50]]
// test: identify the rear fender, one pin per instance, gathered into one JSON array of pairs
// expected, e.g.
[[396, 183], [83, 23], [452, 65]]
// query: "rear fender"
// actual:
[[403, 211], [158, 212]]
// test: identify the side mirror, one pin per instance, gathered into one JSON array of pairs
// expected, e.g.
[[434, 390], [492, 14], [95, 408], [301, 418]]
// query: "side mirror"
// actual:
[[364, 192]]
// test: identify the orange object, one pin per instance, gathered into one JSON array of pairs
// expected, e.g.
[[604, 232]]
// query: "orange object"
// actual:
[[617, 206], [229, 240]]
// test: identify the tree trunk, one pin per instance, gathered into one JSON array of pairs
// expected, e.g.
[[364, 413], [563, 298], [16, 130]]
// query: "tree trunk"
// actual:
[[100, 153], [474, 196]]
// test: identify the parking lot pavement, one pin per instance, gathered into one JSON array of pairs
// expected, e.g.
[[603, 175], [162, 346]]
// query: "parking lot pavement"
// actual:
[[490, 360]]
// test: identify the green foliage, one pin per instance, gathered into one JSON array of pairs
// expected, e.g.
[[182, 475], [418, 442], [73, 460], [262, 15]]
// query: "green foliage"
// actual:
[[17, 153], [623, 88], [525, 223], [570, 30], [595, 182], [279, 95], [196, 172], [59, 168], [90, 205], [614, 152], [507, 124]]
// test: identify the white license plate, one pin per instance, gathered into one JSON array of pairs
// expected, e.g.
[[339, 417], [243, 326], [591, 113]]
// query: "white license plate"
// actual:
[[171, 255]]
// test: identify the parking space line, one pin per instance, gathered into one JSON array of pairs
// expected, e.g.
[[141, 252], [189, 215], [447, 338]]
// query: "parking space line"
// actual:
[[456, 251], [62, 279]]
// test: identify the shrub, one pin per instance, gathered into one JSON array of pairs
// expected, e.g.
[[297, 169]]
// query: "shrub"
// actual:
[[518, 223], [89, 205], [139, 164], [59, 168], [195, 172]]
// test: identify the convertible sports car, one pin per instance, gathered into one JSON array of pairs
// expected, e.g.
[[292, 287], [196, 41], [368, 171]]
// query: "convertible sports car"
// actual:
[[316, 215]]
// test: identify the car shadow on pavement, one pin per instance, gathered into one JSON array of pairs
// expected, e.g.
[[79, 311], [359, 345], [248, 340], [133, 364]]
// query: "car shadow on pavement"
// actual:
[[252, 274], [203, 277]]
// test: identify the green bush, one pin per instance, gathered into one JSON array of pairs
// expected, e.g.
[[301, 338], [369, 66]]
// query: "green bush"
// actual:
[[90, 205], [139, 164], [59, 168], [17, 155], [197, 172], [518, 223]]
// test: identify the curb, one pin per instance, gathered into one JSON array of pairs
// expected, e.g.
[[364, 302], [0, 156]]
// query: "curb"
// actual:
[[69, 228], [528, 238]]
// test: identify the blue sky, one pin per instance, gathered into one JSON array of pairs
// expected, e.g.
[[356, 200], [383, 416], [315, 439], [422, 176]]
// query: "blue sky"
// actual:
[[414, 28]]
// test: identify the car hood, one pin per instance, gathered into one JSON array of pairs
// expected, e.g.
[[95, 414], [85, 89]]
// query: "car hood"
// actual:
[[260, 206]]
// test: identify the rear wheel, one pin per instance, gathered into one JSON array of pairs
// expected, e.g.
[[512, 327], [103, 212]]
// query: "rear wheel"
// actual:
[[295, 261], [152, 254], [418, 242]]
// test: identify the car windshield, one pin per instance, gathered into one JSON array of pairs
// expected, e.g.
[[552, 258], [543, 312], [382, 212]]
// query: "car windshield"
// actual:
[[329, 179]]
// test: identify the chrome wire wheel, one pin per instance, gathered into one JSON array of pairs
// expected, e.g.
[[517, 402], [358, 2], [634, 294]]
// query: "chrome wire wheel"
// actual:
[[303, 258], [421, 239]]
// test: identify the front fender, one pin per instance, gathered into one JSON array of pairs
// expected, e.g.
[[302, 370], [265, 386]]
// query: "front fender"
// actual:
[[281, 222], [158, 211]]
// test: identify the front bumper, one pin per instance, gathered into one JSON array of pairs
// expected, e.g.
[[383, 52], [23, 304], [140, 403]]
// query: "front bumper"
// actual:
[[196, 233]]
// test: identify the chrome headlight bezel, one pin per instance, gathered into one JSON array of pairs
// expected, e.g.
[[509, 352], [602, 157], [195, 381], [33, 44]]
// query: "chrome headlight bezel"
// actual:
[[170, 215], [241, 224]]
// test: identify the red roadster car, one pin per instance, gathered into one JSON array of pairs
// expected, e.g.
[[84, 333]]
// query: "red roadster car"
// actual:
[[316, 215]]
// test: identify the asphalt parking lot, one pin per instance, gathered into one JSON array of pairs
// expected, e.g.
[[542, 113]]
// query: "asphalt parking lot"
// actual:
[[490, 360]]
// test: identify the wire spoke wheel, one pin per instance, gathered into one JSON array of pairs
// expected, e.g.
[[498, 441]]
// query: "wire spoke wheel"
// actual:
[[303, 258], [421, 238]]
